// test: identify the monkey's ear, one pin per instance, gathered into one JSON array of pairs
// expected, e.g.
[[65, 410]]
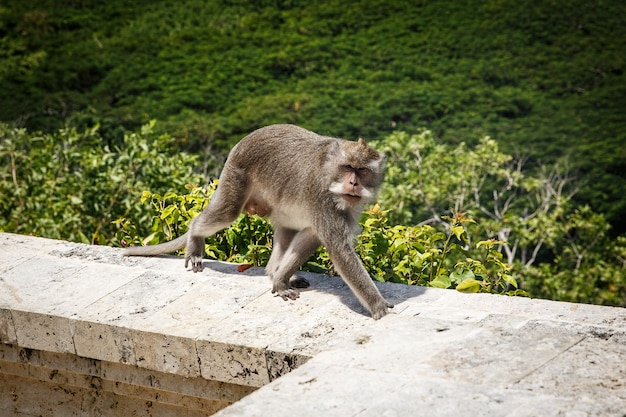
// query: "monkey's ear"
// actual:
[[379, 163]]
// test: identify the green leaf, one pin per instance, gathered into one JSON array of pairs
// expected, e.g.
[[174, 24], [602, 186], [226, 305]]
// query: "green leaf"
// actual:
[[459, 275], [458, 231], [145, 196], [509, 280], [469, 285], [442, 281], [168, 212], [490, 243], [148, 239]]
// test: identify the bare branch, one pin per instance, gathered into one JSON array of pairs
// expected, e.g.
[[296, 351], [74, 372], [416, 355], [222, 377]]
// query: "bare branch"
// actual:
[[535, 252]]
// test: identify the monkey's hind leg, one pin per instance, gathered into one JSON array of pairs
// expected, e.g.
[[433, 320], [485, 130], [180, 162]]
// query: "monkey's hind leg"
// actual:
[[290, 251], [224, 208], [281, 241], [296, 281]]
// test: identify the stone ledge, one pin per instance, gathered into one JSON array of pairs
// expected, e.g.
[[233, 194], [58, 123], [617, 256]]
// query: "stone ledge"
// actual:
[[440, 352], [77, 379]]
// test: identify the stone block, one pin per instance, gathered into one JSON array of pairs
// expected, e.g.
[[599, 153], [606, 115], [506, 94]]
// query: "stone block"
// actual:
[[208, 303], [584, 372], [24, 396], [28, 285], [168, 354], [7, 329], [502, 356], [8, 353], [43, 331], [104, 342], [128, 304], [236, 364]]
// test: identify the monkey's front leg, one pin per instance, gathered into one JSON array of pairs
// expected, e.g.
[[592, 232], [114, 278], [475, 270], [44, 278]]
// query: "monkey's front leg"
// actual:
[[354, 274]]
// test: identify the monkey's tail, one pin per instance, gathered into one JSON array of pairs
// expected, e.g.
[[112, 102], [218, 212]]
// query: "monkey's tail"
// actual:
[[167, 247]]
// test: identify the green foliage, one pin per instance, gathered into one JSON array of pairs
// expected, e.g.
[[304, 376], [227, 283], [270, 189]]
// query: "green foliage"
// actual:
[[588, 265], [247, 240], [69, 185], [427, 179], [545, 78], [423, 255], [557, 250]]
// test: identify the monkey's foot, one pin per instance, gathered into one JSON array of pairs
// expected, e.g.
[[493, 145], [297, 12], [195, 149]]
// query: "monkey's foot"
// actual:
[[288, 294], [196, 263], [298, 282]]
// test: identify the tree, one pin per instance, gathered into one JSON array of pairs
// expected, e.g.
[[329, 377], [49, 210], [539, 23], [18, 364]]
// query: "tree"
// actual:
[[546, 235]]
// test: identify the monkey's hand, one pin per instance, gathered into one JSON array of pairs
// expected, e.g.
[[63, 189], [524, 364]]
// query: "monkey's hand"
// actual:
[[380, 309], [196, 263]]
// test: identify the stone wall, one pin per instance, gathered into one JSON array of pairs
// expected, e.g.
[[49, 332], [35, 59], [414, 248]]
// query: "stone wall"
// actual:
[[39, 383], [87, 332]]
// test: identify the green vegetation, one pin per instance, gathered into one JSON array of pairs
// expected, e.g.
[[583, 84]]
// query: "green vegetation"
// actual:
[[69, 185], [545, 80], [556, 249]]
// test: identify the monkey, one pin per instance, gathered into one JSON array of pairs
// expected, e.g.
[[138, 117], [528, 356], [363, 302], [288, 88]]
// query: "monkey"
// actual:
[[313, 189]]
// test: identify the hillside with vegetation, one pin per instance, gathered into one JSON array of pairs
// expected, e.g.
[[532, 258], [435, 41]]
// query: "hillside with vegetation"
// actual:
[[545, 80]]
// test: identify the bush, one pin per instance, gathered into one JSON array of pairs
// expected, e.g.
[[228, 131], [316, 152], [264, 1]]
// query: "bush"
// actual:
[[558, 250], [69, 185]]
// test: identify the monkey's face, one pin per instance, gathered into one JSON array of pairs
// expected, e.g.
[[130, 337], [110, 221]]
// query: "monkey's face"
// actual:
[[358, 177], [352, 183]]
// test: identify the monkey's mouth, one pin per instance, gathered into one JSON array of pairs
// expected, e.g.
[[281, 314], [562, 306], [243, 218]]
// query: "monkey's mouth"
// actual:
[[351, 198]]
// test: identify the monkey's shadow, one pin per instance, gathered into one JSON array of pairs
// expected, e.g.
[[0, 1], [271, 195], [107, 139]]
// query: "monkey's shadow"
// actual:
[[394, 293]]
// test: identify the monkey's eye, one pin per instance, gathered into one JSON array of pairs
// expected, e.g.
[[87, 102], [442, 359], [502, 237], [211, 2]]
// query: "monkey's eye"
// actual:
[[364, 172], [347, 167]]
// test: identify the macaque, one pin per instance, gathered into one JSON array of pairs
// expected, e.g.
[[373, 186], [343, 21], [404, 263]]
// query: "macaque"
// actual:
[[312, 188]]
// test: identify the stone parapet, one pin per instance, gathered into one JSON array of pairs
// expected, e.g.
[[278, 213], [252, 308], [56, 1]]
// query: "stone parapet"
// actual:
[[85, 331]]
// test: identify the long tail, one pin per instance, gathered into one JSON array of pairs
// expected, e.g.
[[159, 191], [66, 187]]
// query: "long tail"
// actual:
[[167, 247]]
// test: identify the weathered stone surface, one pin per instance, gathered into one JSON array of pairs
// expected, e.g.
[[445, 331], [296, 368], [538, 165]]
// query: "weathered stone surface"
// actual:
[[85, 331], [42, 383], [238, 364], [43, 331], [7, 328], [425, 367], [104, 342]]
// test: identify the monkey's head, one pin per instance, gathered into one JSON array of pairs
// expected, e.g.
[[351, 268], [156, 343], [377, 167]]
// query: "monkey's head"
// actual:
[[358, 173]]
